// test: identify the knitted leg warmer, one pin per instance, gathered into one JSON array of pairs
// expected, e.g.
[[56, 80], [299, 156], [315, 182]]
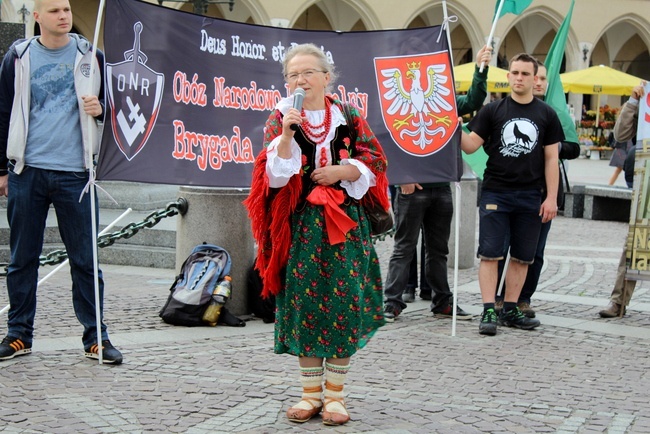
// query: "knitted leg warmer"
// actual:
[[310, 403], [334, 412]]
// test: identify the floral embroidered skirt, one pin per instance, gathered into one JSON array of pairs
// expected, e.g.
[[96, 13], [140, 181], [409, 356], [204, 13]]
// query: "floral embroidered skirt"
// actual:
[[333, 300]]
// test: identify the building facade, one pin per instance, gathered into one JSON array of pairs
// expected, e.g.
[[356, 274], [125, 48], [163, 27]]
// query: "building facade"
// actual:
[[616, 34]]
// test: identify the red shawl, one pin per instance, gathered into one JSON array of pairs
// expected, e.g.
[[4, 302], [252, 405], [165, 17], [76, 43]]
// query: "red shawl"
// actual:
[[270, 210]]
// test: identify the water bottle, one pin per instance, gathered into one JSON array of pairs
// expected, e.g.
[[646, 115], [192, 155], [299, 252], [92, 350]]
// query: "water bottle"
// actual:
[[219, 297]]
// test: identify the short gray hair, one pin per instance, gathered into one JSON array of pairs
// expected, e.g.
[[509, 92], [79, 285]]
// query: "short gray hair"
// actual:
[[311, 50]]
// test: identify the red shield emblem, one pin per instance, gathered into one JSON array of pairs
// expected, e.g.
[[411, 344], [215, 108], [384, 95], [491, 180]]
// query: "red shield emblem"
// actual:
[[418, 103]]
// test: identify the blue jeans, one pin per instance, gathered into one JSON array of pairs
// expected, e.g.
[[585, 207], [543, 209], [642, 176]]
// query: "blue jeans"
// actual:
[[430, 209], [30, 196], [534, 269]]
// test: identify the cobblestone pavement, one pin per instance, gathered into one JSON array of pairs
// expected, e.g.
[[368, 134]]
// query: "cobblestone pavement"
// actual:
[[577, 373]]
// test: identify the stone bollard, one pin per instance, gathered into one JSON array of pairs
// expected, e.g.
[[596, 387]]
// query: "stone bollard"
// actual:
[[468, 215], [574, 202], [217, 216]]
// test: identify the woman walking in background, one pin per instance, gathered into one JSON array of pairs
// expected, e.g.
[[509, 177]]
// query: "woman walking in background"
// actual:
[[619, 154]]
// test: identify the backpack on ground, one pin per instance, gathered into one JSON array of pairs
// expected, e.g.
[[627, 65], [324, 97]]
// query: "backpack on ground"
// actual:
[[192, 290]]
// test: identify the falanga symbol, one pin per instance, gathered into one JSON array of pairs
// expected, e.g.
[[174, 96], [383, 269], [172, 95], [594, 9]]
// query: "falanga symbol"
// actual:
[[134, 97]]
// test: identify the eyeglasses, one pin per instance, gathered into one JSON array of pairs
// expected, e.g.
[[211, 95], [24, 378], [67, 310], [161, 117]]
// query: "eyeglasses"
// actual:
[[307, 74]]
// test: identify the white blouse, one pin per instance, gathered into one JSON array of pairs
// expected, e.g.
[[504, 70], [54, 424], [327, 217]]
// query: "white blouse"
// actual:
[[280, 170]]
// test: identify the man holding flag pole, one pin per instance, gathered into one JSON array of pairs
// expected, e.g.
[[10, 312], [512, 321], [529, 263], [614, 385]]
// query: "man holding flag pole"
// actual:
[[49, 107]]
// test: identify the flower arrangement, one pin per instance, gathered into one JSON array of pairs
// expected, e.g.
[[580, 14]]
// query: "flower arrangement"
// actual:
[[588, 119], [606, 118], [608, 113]]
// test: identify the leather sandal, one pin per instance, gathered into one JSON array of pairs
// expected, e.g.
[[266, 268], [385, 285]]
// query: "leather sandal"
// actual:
[[333, 417], [301, 415]]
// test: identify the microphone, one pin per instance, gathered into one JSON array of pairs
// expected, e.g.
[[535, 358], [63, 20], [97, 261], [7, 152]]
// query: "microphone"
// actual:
[[298, 97]]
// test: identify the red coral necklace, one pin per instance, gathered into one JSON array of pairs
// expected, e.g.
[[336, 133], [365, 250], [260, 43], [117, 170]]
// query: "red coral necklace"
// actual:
[[311, 131]]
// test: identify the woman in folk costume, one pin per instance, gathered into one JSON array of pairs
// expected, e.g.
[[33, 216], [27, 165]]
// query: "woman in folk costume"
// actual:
[[315, 251]]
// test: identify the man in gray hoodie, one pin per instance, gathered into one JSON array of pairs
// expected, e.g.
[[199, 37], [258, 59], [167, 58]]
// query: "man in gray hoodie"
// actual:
[[49, 107]]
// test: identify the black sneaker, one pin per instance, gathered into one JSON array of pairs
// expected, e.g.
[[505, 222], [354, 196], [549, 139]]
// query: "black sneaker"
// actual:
[[488, 325], [109, 353], [515, 318], [12, 347], [425, 295], [447, 312], [391, 313], [408, 296]]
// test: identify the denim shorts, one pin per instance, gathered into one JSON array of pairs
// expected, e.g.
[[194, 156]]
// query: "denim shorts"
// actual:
[[512, 215]]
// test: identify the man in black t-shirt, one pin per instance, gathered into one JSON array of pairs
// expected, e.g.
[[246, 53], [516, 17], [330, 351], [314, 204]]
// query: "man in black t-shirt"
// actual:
[[568, 151], [520, 134]]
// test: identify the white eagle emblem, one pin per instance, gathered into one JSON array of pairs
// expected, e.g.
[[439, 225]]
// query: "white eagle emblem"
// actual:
[[418, 106]]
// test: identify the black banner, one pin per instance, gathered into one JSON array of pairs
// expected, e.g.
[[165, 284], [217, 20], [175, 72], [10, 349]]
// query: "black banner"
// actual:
[[187, 96]]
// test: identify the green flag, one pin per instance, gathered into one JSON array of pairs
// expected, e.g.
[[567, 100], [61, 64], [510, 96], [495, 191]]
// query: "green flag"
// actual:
[[555, 93], [511, 7]]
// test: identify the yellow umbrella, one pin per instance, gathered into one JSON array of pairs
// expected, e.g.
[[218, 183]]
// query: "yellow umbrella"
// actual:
[[497, 80], [599, 80]]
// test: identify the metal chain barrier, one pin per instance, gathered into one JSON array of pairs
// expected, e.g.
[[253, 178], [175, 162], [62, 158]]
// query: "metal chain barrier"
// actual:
[[172, 209]]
